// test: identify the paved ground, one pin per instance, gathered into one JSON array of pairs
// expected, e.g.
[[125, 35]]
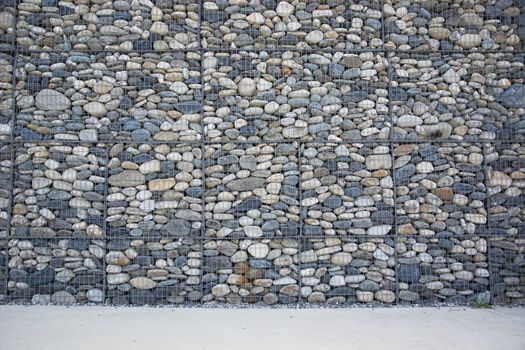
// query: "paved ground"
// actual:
[[98, 328]]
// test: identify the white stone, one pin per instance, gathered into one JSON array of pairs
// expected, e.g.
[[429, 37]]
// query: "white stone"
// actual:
[[451, 76], [255, 18], [258, 250], [284, 9], [247, 87], [51, 100], [314, 37], [179, 87], [143, 283], [96, 109], [253, 231]]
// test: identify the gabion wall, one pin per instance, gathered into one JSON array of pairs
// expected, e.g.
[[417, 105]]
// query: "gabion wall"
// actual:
[[263, 152]]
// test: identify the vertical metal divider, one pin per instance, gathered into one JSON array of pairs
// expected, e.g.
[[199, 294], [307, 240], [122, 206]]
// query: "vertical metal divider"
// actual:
[[105, 229], [382, 2], [14, 56], [485, 145], [12, 174], [203, 149], [489, 267], [301, 239], [202, 236], [486, 203], [391, 141]]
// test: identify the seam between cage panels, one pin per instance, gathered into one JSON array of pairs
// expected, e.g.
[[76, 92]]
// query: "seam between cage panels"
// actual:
[[105, 215], [11, 173], [392, 171]]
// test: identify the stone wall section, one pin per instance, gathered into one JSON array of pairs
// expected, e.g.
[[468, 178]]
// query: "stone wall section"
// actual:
[[265, 152]]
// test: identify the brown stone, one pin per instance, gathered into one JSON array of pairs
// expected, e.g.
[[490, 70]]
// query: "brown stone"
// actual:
[[404, 149], [445, 193]]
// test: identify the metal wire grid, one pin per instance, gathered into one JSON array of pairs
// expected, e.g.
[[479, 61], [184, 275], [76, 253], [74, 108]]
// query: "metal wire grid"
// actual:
[[434, 270], [274, 96], [507, 270], [127, 96], [505, 188], [7, 105], [251, 190], [346, 270], [347, 189], [454, 95], [225, 142], [59, 190], [153, 271], [445, 25], [115, 26], [440, 189], [8, 13], [154, 191], [253, 271], [180, 25], [60, 271], [303, 25]]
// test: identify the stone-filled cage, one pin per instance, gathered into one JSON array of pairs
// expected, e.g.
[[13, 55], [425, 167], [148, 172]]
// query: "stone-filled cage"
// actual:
[[262, 152]]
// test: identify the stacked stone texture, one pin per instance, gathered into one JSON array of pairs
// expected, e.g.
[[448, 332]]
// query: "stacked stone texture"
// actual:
[[265, 152]]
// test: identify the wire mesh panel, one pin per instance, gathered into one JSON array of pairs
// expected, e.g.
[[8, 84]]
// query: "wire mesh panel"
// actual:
[[7, 105], [3, 270], [59, 190], [153, 272], [251, 190], [6, 187], [261, 271], [466, 97], [458, 25], [348, 270], [292, 24], [252, 96], [89, 97], [440, 189], [7, 24], [347, 189], [58, 271], [5, 210], [154, 190], [507, 263], [506, 187], [158, 25], [442, 270]]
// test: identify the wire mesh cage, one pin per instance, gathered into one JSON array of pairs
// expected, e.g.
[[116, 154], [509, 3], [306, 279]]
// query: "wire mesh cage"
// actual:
[[440, 189], [292, 24], [253, 271], [107, 95], [273, 95], [348, 270], [153, 271], [454, 25], [157, 25], [6, 186], [7, 105], [347, 189], [460, 96], [3, 269], [507, 263], [450, 270], [251, 190], [7, 25], [506, 187], [155, 190], [59, 190], [58, 271]]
